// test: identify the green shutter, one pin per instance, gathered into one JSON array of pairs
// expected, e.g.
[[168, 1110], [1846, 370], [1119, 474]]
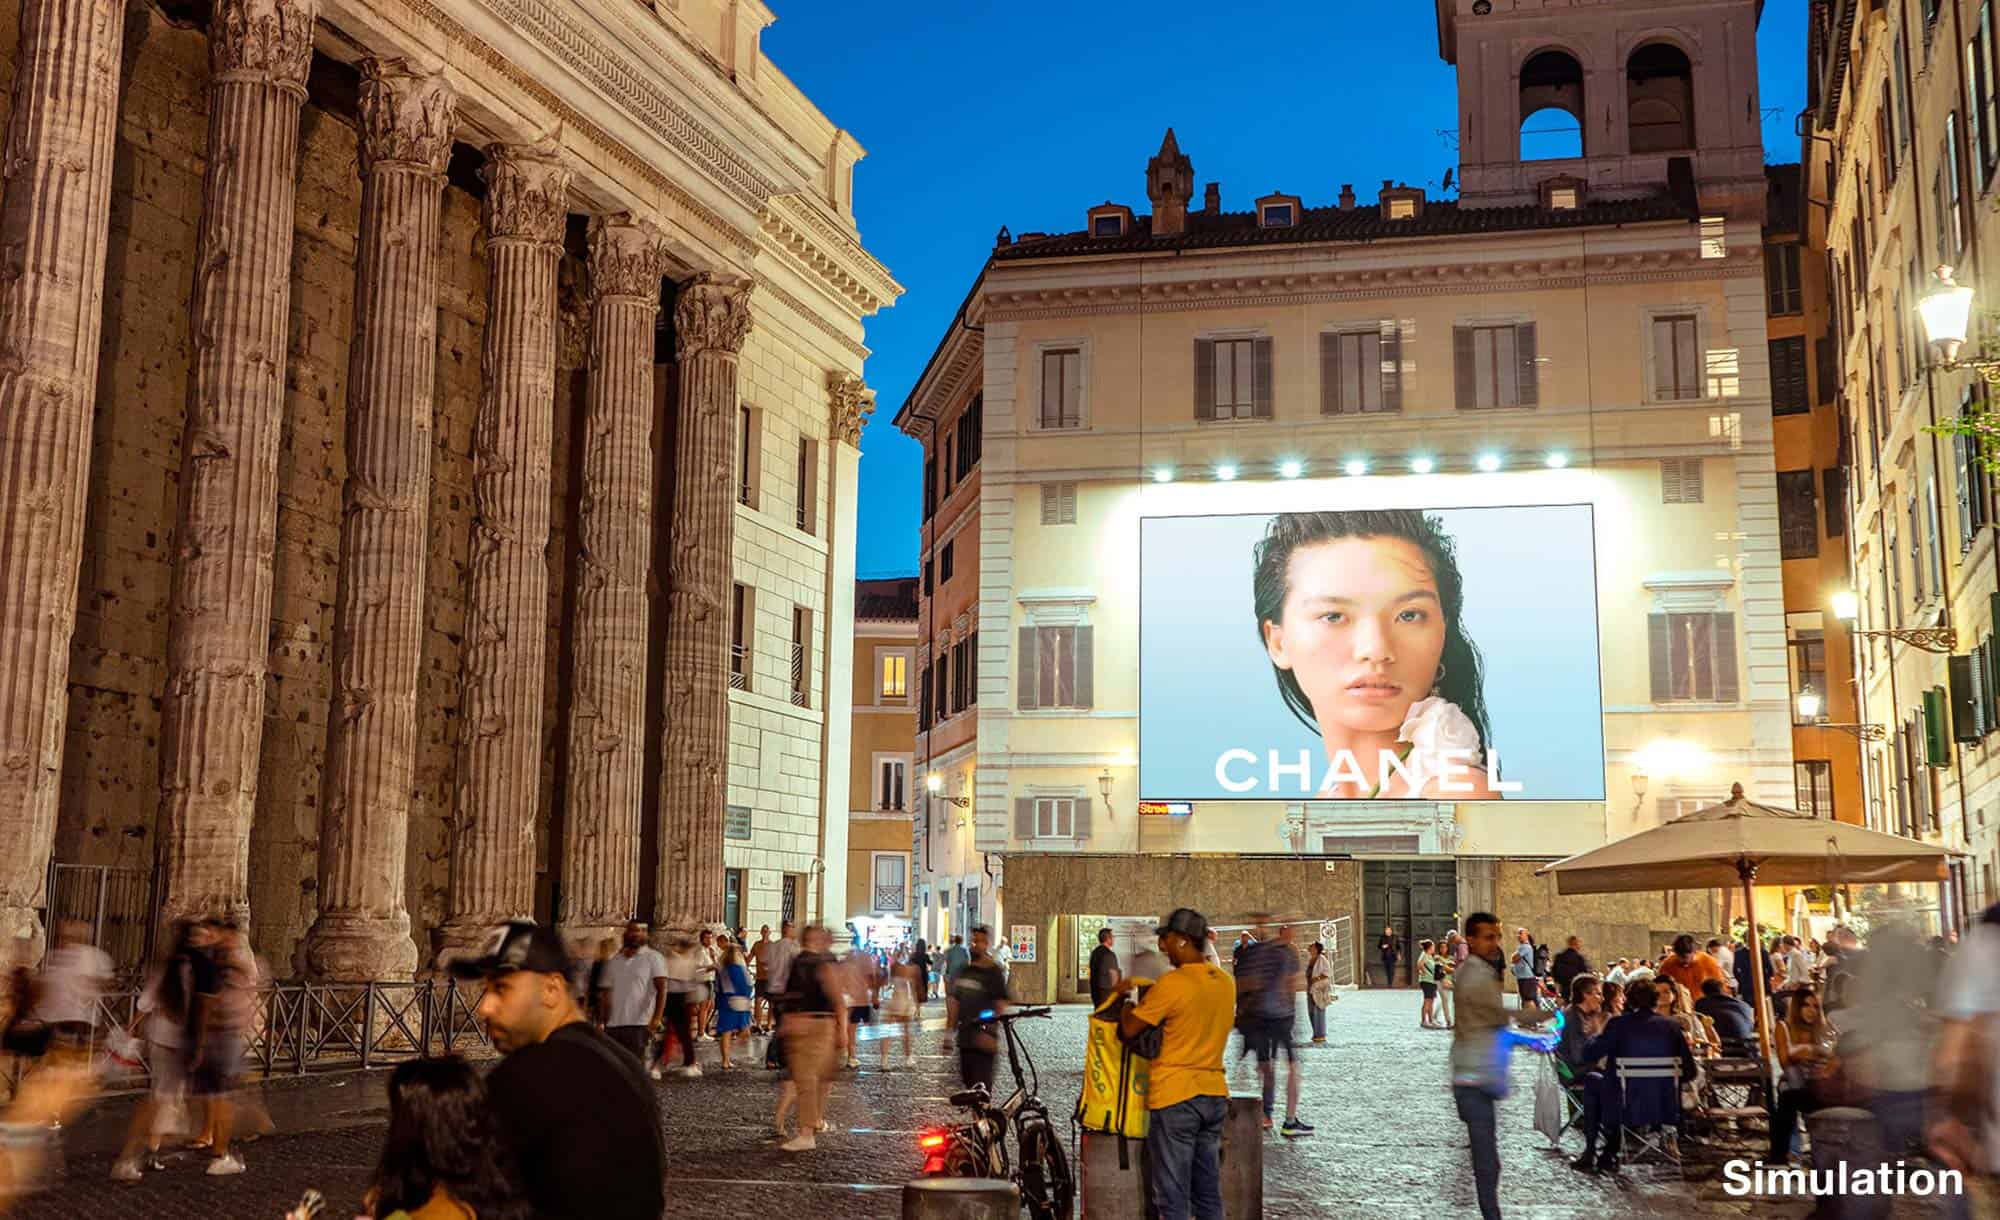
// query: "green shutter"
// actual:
[[1937, 729]]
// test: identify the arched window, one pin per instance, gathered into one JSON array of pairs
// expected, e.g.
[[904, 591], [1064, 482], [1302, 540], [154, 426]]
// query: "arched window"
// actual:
[[1551, 107], [1659, 99]]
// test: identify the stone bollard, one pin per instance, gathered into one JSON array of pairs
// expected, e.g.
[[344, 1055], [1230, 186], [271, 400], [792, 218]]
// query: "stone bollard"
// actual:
[[1109, 1189], [961, 1199], [1243, 1158]]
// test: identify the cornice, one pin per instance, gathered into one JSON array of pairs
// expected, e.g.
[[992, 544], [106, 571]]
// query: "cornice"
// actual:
[[961, 364], [792, 224], [817, 317], [1420, 280]]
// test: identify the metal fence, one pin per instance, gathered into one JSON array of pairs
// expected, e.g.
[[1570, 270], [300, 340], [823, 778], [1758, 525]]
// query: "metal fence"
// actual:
[[1337, 934], [297, 1028]]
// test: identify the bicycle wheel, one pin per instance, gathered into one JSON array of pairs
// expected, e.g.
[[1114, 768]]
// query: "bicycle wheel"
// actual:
[[1047, 1190], [962, 1160]]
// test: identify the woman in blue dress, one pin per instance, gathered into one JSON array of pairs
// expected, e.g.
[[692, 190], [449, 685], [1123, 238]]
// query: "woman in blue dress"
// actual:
[[733, 1001]]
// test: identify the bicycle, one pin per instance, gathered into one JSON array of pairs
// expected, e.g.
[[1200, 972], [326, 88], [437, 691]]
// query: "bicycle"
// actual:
[[978, 1149]]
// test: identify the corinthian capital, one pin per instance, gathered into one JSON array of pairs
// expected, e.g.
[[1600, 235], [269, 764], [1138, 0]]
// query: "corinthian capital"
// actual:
[[262, 42], [527, 192], [712, 314], [406, 117], [627, 258], [852, 402]]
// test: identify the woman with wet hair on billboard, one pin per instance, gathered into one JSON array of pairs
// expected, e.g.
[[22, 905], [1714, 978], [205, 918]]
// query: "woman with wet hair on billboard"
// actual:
[[1360, 614]]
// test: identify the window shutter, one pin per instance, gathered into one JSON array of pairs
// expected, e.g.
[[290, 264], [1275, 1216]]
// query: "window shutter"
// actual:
[[1726, 690], [924, 697], [1329, 374], [1050, 500], [1079, 816], [1524, 349], [1392, 366], [1659, 650], [1462, 367], [1204, 379], [1260, 388], [1961, 454], [1024, 685], [1024, 817], [1086, 685], [1066, 507]]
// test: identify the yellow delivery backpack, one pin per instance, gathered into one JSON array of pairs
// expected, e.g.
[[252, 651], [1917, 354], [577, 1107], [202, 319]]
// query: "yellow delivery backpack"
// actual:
[[1114, 1079]]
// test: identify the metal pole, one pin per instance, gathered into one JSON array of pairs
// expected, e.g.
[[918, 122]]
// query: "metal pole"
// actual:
[[1754, 946]]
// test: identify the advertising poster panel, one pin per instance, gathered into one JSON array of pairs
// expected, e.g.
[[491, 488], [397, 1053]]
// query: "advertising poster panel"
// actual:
[[1446, 654]]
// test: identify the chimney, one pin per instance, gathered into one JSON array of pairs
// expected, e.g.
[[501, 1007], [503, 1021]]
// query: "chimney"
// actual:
[[1211, 198], [1169, 182], [1347, 196]]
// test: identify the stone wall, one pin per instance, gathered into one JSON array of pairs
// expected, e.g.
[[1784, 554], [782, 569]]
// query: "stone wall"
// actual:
[[1611, 925]]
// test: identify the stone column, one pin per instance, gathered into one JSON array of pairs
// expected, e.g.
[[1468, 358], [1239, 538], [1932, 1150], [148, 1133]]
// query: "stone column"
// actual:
[[363, 930], [711, 320], [218, 636], [500, 751], [600, 877], [53, 222]]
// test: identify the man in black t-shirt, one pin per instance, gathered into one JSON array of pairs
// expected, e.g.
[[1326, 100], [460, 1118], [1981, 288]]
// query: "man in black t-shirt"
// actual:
[[1104, 972], [583, 1121], [980, 989]]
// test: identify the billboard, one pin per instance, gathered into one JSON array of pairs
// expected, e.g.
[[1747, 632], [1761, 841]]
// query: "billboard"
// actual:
[[1445, 654]]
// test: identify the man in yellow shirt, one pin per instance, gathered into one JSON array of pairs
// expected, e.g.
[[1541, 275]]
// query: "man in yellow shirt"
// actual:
[[1187, 1094]]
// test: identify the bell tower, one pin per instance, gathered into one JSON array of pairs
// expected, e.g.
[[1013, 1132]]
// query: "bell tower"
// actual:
[[1169, 182], [1643, 83]]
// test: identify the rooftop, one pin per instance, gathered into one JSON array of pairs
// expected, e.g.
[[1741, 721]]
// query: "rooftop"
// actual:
[[893, 600]]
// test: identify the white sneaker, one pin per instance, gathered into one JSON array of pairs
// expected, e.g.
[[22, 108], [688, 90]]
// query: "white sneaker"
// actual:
[[823, 1126], [225, 1166], [799, 1143], [691, 1071], [656, 1074], [123, 1170], [853, 1062]]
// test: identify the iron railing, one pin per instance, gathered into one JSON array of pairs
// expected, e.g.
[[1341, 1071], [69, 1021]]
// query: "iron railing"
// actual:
[[297, 1028], [739, 667], [891, 898], [117, 903]]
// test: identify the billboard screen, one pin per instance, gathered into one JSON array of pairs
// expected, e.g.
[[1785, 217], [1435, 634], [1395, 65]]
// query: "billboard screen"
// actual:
[[1445, 654]]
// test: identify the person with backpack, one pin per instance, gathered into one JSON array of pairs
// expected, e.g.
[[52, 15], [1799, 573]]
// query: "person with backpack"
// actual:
[[980, 988]]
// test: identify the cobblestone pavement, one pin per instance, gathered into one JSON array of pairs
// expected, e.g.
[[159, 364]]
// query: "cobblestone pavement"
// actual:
[[1388, 1147]]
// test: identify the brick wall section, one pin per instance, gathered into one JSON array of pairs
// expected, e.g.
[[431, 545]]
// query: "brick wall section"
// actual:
[[118, 652], [1611, 925]]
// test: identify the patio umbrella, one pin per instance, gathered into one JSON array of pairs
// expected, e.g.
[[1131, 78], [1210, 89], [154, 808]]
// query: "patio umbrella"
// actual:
[[1742, 842]]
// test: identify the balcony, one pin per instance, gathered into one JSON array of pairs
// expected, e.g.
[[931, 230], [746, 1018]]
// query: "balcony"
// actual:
[[799, 675], [891, 899]]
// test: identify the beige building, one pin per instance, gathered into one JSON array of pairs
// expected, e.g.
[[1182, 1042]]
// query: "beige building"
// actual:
[[1585, 330], [357, 591], [1903, 145], [880, 773]]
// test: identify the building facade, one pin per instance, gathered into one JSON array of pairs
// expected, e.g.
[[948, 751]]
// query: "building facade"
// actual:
[[1901, 149], [349, 583], [881, 768], [1586, 329]]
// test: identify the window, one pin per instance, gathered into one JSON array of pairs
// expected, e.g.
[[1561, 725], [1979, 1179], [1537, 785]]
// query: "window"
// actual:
[[941, 685], [1833, 483], [1885, 144], [791, 887], [971, 649], [1933, 536], [1051, 817], [1902, 97], [891, 874], [944, 470], [1054, 668], [1798, 515], [1232, 378], [1808, 651], [1058, 504], [895, 667], [1659, 99], [930, 486], [1715, 237], [746, 457], [923, 697], [944, 562], [808, 485], [1975, 490], [1789, 394], [1062, 388], [1275, 215], [1781, 280], [1692, 657], [1916, 537], [1403, 207], [1680, 480], [1107, 224], [1495, 366], [971, 429], [1677, 371], [1361, 371], [1951, 219], [930, 570], [1562, 199], [1983, 114], [739, 638], [961, 676], [1814, 780], [892, 784], [801, 656], [1902, 348]]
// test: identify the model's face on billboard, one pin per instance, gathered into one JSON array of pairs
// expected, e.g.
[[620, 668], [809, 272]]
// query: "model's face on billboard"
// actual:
[[1363, 629]]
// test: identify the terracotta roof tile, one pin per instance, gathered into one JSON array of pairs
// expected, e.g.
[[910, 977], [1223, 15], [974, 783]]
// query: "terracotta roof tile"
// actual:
[[892, 600]]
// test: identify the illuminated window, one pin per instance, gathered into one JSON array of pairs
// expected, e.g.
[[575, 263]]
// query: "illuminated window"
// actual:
[[1692, 657], [895, 676], [1562, 199], [1402, 208], [1677, 363], [1715, 237]]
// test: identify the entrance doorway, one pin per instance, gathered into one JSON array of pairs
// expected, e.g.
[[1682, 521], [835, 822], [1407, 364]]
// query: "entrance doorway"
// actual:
[[1418, 898]]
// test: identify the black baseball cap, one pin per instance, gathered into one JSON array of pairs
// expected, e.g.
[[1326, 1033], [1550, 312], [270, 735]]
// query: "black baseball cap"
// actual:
[[521, 944], [1189, 923]]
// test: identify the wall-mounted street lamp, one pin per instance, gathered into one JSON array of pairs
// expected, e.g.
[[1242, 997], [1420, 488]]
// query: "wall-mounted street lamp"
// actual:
[[1104, 782], [1946, 310], [1809, 712], [934, 784], [1846, 607]]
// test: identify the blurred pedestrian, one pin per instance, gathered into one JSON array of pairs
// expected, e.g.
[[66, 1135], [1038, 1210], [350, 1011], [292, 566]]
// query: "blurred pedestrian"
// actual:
[[583, 1124], [760, 967], [1475, 1080], [215, 1042], [920, 958], [906, 983], [445, 1156], [1964, 1130], [1267, 987], [1567, 965], [955, 957], [733, 1002], [595, 995], [814, 1027], [981, 992], [706, 959], [161, 1022], [73, 978], [683, 967], [632, 992], [859, 980]]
